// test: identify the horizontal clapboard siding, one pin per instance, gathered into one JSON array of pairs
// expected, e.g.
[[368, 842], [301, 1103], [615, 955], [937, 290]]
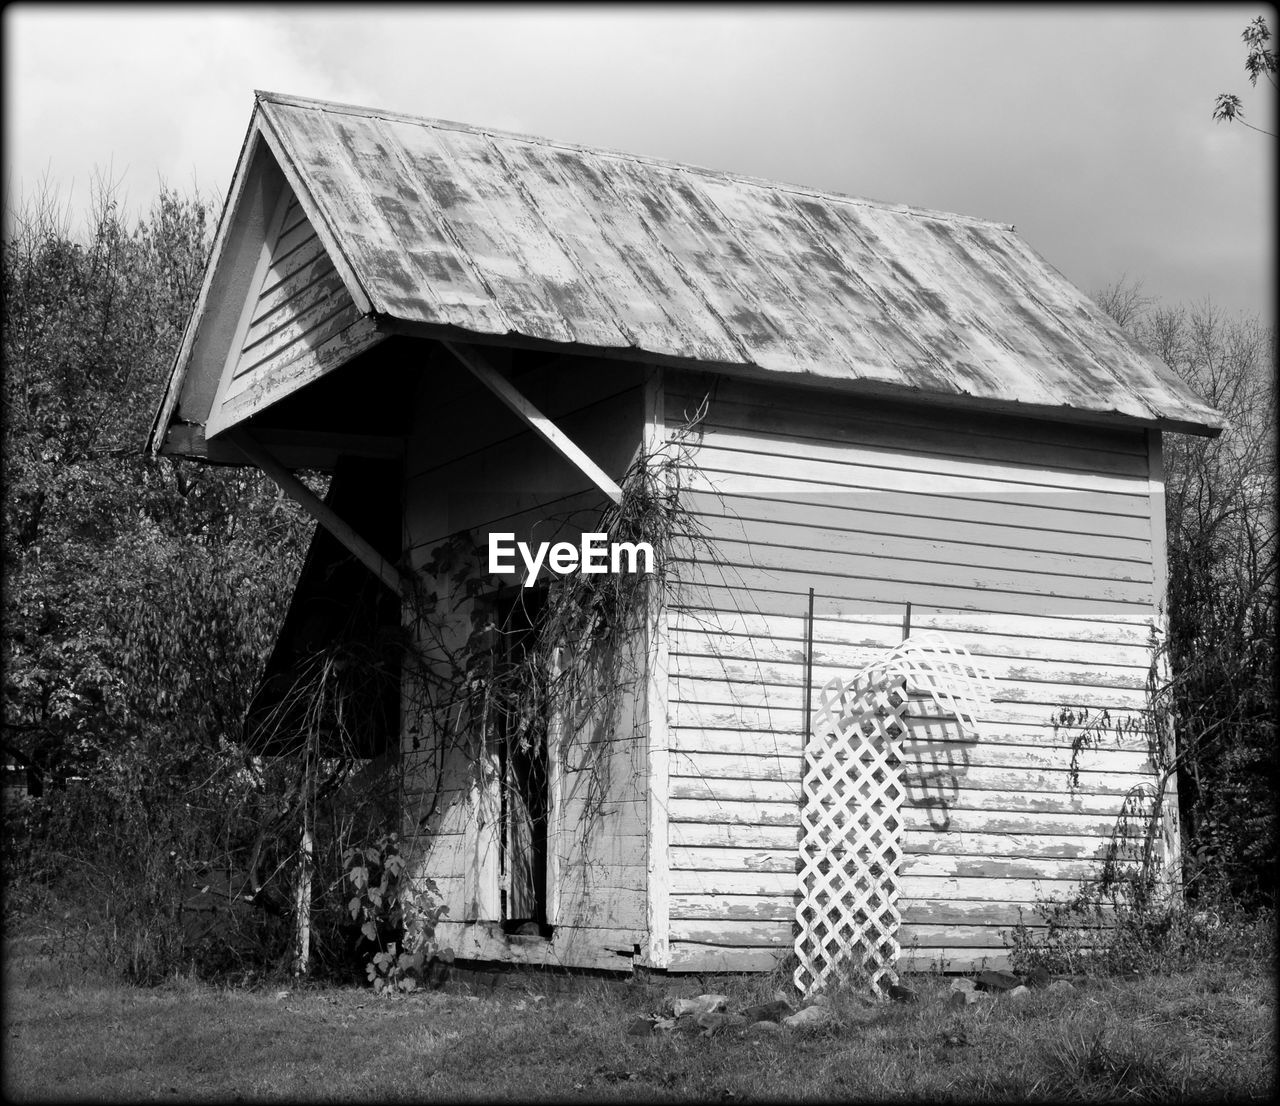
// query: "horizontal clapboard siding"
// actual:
[[1029, 544], [301, 303]]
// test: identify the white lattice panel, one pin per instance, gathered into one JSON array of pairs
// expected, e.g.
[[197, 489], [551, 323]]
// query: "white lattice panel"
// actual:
[[851, 820]]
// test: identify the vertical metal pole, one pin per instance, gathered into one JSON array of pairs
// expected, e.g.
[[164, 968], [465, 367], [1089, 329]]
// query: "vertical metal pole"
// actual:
[[808, 666], [906, 623]]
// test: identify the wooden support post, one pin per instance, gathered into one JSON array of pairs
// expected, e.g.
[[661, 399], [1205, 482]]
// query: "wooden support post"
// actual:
[[317, 509], [556, 821], [302, 887], [657, 952], [501, 387], [302, 903]]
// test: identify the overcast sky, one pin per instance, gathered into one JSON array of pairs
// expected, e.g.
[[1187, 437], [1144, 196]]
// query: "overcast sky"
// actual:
[[1088, 127]]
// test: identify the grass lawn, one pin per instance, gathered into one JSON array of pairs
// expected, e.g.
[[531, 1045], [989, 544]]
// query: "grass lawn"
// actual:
[[1209, 1034]]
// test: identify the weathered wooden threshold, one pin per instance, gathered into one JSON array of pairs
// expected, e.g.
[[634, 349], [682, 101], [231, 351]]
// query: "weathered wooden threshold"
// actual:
[[317, 509], [475, 362], [569, 947]]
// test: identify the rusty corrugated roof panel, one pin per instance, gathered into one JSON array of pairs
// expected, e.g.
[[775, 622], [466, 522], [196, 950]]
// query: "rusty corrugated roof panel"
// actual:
[[500, 234]]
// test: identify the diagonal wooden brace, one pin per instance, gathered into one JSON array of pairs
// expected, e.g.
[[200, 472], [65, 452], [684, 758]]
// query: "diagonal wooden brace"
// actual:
[[317, 509], [501, 387]]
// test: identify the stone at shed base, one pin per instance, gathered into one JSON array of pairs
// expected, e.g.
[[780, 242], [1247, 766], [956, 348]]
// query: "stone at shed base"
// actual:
[[962, 985], [1017, 994], [768, 1012], [994, 980], [1060, 987], [763, 1029], [809, 1018], [703, 1004]]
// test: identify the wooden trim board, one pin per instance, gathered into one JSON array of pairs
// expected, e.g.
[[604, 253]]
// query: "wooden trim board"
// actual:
[[1172, 826], [658, 898]]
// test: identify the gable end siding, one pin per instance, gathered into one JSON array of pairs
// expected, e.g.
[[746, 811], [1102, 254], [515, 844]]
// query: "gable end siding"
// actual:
[[299, 303]]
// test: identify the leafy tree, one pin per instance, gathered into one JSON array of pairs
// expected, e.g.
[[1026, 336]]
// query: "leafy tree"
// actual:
[[141, 596], [117, 564], [1258, 62], [141, 600]]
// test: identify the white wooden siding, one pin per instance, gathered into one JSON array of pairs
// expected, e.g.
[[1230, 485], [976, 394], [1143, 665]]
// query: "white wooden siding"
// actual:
[[473, 465], [299, 303], [1029, 543]]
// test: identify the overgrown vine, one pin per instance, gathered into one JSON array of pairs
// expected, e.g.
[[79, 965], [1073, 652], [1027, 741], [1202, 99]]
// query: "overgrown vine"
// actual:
[[1134, 869], [544, 670]]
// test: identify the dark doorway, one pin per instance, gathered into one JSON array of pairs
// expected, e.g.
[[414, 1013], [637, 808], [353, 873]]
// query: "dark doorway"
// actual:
[[523, 767]]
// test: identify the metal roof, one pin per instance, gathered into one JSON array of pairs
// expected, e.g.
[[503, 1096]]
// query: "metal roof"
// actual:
[[443, 224]]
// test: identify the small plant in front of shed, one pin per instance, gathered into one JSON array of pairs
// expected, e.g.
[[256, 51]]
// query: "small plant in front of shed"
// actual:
[[396, 916]]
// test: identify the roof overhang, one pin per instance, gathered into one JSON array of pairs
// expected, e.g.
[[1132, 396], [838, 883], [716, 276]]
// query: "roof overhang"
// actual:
[[815, 381]]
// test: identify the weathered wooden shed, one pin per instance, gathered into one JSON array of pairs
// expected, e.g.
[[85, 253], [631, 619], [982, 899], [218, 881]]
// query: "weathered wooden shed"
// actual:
[[479, 331]]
